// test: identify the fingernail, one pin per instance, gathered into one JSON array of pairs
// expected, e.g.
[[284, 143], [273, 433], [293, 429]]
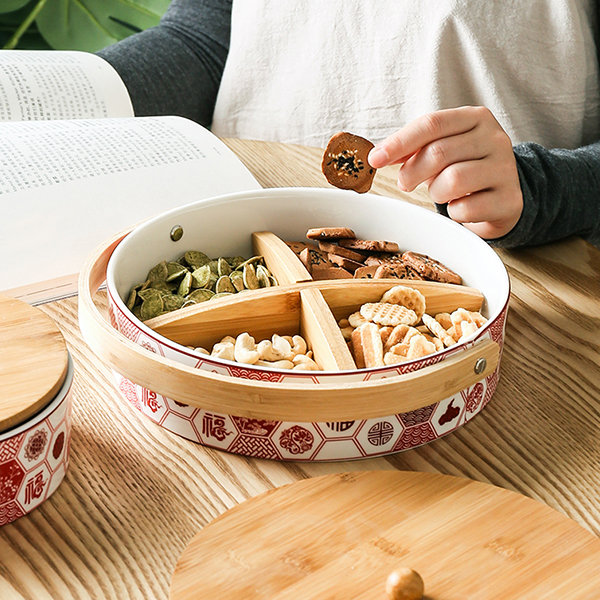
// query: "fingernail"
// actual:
[[378, 157]]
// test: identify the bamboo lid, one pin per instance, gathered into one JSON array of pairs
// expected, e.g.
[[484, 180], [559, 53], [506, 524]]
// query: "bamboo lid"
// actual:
[[33, 361], [341, 535]]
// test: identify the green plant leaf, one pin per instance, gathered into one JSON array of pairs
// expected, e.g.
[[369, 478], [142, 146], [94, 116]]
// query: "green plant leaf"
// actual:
[[7, 6], [31, 40], [93, 24], [11, 21]]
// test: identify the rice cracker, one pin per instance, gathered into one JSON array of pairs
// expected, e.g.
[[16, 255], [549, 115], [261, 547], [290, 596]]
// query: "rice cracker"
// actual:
[[406, 296], [372, 346], [388, 314], [436, 328]]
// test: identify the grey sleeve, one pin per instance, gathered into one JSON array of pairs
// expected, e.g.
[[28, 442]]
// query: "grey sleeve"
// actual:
[[561, 195], [175, 68]]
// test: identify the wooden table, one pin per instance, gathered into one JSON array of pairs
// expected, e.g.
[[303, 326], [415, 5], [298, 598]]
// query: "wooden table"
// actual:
[[135, 494]]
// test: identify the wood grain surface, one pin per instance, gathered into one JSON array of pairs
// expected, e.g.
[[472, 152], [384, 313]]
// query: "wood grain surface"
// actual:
[[135, 494], [341, 535]]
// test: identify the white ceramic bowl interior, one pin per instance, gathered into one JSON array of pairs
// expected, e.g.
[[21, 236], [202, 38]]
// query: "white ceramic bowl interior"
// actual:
[[222, 226]]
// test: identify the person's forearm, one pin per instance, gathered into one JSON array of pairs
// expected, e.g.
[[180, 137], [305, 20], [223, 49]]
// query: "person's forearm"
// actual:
[[561, 195], [176, 67]]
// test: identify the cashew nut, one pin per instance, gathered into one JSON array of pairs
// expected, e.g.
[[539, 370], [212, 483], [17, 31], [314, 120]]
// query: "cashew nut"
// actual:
[[245, 349], [266, 352], [223, 350], [299, 346], [277, 364], [281, 352], [306, 365], [282, 347], [301, 358]]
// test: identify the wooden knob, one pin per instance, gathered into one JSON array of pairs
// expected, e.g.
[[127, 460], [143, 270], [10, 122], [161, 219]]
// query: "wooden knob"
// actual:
[[404, 584]]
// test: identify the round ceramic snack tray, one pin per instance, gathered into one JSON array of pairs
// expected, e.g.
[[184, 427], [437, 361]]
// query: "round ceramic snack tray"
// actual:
[[36, 372], [338, 413]]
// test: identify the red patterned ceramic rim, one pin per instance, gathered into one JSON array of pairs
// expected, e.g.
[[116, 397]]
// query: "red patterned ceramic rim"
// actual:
[[289, 212], [316, 441], [34, 456]]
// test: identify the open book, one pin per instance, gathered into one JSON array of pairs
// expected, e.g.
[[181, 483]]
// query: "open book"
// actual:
[[77, 167]]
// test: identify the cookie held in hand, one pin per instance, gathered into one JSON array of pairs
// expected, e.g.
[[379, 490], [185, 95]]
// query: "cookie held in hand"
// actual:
[[345, 163]]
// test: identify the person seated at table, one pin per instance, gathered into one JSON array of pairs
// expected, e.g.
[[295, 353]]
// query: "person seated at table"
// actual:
[[499, 103]]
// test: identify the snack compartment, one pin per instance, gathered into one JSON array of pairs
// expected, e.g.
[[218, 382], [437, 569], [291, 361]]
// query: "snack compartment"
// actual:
[[260, 314]]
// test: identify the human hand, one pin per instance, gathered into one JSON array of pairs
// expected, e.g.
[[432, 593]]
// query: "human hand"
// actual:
[[467, 161]]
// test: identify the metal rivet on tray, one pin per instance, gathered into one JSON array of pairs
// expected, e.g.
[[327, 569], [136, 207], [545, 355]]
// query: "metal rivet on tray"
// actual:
[[480, 365], [176, 233]]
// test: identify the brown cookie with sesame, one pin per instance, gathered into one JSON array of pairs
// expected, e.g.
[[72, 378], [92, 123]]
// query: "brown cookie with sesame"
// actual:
[[345, 163], [396, 271], [297, 247], [330, 271], [370, 245], [431, 269], [366, 272], [330, 233], [312, 257], [341, 251], [384, 258], [346, 263]]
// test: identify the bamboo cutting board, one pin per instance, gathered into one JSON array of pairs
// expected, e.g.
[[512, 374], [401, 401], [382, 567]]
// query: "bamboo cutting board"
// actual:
[[33, 361], [341, 535]]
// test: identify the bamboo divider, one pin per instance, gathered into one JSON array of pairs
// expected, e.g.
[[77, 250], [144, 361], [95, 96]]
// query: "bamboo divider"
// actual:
[[322, 331], [280, 305], [298, 305], [280, 259], [261, 313], [346, 296]]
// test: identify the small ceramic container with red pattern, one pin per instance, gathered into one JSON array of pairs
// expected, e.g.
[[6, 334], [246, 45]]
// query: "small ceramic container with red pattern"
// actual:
[[36, 372]]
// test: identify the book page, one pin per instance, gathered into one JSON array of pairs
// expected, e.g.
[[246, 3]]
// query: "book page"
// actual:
[[55, 84], [67, 186]]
